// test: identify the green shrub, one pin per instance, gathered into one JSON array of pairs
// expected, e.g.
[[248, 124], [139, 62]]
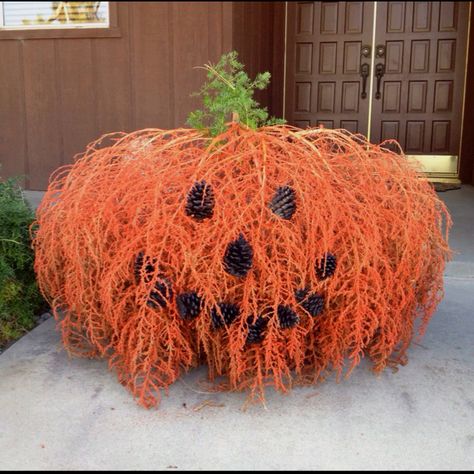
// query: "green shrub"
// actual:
[[20, 299]]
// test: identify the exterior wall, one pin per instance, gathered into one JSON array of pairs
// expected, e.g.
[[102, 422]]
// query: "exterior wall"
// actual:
[[258, 36], [252, 36], [466, 172], [59, 94]]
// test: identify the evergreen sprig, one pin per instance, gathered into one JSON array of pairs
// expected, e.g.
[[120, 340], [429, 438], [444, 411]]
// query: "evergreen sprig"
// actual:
[[228, 91]]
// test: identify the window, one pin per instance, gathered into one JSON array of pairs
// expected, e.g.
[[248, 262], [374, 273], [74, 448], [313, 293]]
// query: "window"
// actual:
[[53, 15]]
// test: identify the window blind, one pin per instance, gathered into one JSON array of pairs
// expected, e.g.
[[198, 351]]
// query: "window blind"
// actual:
[[29, 15]]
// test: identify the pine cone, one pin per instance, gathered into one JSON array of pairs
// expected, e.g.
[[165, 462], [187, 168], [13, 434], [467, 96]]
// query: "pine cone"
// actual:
[[326, 266], [256, 329], [238, 257], [200, 201], [161, 294], [140, 261], [189, 305], [283, 203], [313, 303], [287, 317], [224, 314], [301, 294], [137, 266]]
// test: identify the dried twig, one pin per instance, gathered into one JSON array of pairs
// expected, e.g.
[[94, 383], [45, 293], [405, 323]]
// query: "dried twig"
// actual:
[[207, 403]]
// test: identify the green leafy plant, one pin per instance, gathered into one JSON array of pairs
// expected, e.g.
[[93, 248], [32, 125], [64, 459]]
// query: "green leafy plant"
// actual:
[[228, 94], [20, 299]]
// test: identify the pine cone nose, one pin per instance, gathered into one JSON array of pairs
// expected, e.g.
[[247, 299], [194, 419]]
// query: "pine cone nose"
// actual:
[[238, 257]]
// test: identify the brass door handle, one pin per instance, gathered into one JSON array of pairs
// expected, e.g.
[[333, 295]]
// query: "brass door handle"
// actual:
[[364, 72], [379, 73]]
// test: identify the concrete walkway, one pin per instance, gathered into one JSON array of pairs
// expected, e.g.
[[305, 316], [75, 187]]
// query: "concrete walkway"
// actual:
[[62, 413]]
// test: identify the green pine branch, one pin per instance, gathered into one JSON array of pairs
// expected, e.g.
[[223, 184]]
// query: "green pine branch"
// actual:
[[228, 91]]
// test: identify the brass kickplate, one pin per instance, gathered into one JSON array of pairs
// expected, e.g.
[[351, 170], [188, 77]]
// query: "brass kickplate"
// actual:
[[438, 167]]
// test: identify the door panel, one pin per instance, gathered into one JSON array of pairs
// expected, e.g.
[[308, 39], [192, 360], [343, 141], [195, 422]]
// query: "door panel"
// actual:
[[423, 82], [323, 79]]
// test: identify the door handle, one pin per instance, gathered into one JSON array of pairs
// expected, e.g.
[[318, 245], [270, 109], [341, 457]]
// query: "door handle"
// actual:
[[365, 51], [379, 72], [364, 73], [380, 51]]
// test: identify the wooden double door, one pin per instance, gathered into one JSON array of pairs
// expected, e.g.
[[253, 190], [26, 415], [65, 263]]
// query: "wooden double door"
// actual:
[[388, 70]]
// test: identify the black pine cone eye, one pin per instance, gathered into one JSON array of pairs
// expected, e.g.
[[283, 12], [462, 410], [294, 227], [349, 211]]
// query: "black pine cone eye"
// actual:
[[256, 329], [325, 266], [200, 201], [161, 294], [313, 303], [287, 317], [224, 314], [283, 203], [189, 305], [238, 257]]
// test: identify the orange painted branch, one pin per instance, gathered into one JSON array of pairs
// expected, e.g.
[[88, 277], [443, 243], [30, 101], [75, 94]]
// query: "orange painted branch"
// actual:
[[274, 256]]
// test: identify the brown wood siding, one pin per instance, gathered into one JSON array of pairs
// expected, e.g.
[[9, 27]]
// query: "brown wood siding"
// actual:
[[13, 150], [253, 24], [59, 94], [278, 69]]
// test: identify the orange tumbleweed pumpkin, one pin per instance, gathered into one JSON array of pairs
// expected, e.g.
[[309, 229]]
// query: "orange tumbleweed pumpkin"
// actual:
[[274, 255]]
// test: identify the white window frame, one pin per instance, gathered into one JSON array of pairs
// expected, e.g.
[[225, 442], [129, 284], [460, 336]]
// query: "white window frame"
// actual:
[[58, 26]]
